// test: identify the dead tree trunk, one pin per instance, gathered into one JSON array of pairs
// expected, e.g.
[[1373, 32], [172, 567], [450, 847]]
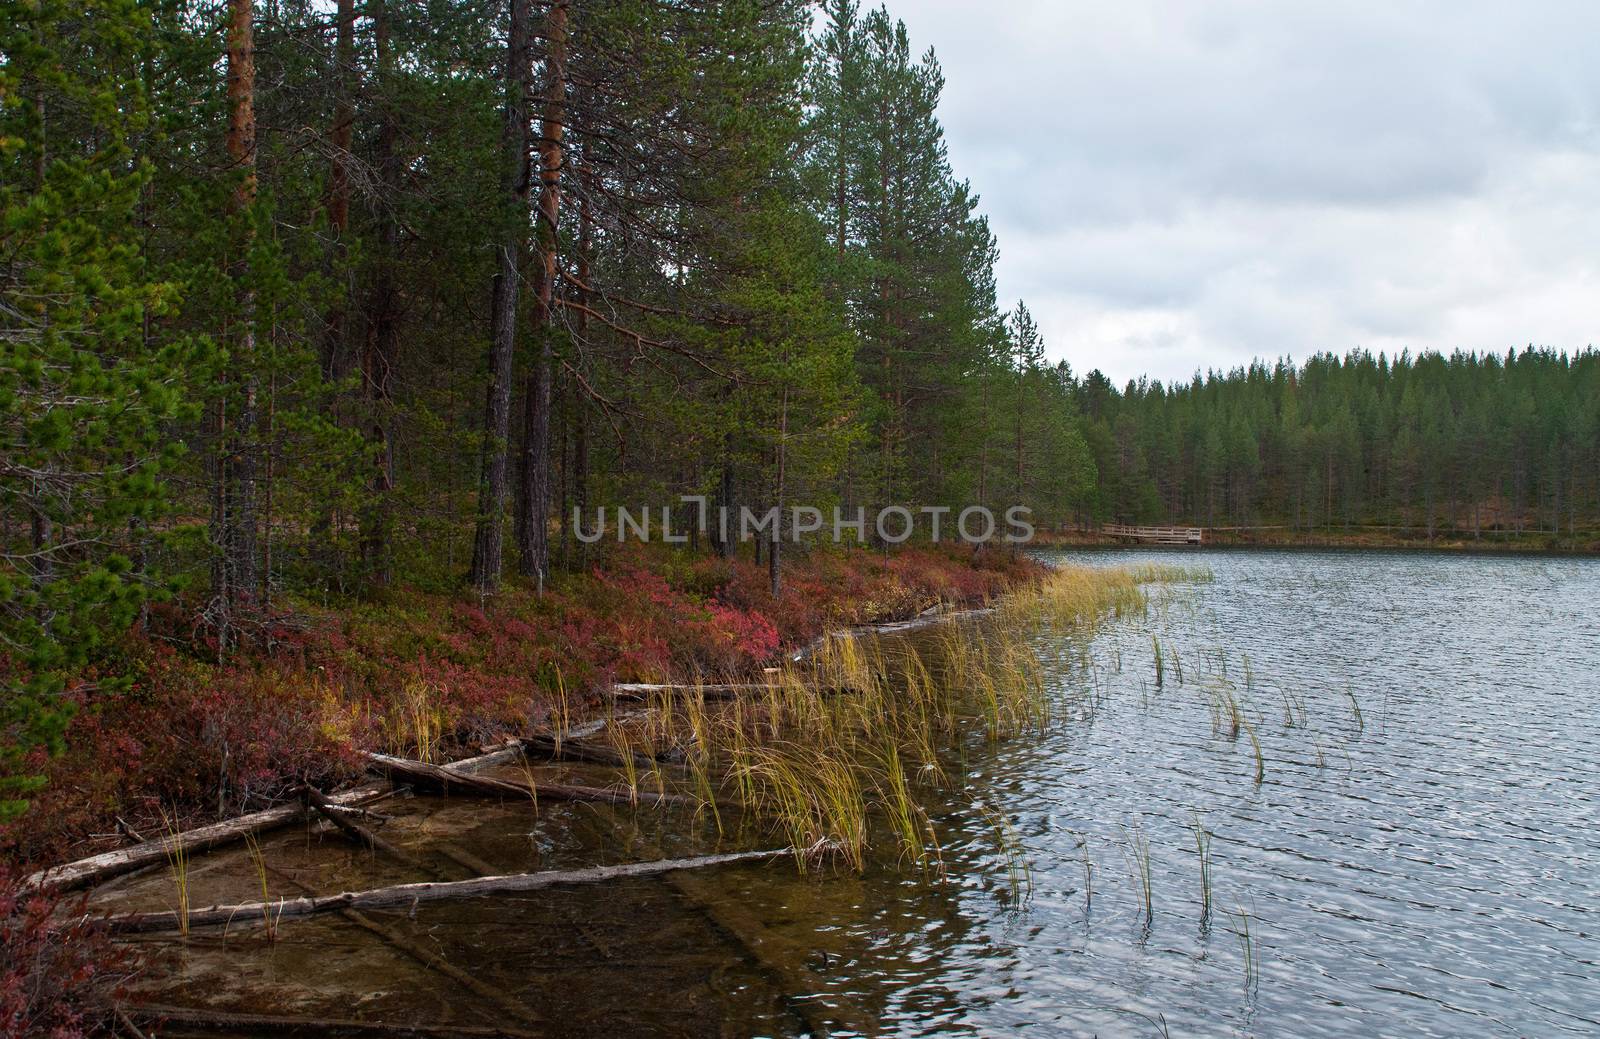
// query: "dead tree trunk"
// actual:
[[85, 872], [405, 895], [450, 780], [274, 1024], [360, 834]]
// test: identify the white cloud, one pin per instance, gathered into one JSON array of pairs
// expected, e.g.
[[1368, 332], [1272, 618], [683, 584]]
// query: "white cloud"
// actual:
[[1179, 186]]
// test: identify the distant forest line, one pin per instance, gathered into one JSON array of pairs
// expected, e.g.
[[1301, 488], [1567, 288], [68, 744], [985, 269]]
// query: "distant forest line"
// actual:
[[1467, 442]]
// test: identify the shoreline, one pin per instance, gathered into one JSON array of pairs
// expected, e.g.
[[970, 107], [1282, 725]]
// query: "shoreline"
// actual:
[[437, 675], [1525, 544], [86, 873]]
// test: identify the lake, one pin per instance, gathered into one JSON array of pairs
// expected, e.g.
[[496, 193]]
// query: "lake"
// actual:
[[1392, 761]]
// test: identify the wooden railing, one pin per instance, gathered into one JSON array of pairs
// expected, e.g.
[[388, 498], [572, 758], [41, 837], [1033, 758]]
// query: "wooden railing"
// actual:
[[1159, 535]]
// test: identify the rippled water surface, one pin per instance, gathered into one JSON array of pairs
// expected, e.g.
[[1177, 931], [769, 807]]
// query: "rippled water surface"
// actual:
[[1413, 851], [1420, 856]]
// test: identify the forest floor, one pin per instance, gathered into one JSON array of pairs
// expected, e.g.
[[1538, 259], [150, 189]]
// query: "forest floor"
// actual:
[[1583, 542], [183, 739]]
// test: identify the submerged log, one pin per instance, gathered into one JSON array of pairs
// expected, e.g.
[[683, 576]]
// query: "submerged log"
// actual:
[[465, 859], [258, 1024], [784, 960], [251, 913], [127, 1024], [780, 958], [452, 780], [432, 959]]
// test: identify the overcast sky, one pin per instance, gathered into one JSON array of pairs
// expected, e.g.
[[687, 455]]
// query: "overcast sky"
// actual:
[[1184, 185]]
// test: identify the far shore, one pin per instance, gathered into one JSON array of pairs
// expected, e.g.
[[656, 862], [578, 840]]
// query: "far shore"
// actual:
[[1584, 543]]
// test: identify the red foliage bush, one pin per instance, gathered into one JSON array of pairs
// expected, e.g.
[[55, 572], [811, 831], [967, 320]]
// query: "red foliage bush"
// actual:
[[56, 979]]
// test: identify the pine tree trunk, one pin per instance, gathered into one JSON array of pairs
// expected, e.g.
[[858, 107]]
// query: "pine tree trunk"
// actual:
[[775, 558], [1021, 404], [983, 449], [725, 497], [580, 407], [43, 564], [334, 357], [234, 519], [378, 355], [338, 202], [534, 558], [489, 536]]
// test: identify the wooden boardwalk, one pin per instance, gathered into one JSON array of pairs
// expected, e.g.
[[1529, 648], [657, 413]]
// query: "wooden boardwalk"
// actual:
[[1156, 535]]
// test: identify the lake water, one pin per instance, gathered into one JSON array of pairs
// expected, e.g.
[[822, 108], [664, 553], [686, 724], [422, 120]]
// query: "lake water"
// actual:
[[1413, 851]]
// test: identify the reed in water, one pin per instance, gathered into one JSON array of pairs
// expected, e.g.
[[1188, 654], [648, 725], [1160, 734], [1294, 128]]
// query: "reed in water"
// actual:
[[830, 753]]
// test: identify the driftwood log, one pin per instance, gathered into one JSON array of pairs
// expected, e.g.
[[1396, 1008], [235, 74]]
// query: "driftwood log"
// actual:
[[937, 614], [252, 913], [360, 834], [717, 691], [96, 868], [271, 1024], [579, 750], [447, 779]]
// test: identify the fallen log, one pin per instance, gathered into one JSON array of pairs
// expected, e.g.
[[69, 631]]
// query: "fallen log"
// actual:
[[127, 1024], [92, 870], [251, 913], [577, 750], [716, 691], [70, 876], [451, 780], [361, 813], [256, 1024], [927, 618], [587, 729], [360, 834], [804, 991]]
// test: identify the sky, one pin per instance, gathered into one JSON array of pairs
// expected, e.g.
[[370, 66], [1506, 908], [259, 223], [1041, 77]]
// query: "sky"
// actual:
[[1180, 186]]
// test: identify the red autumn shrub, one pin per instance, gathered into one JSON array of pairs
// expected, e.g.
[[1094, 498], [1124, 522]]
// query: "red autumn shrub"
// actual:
[[57, 978]]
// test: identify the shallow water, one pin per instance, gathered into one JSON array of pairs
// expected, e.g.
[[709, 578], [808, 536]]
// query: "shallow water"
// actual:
[[1419, 856]]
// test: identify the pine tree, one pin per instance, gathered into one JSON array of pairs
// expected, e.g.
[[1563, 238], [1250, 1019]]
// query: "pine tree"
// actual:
[[88, 383]]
